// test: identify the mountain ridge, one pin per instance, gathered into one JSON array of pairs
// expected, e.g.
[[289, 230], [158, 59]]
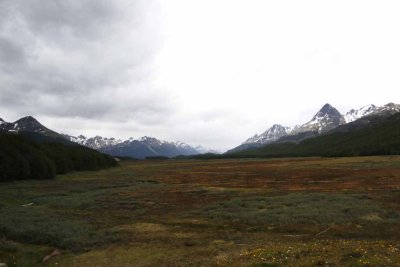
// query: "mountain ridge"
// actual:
[[142, 147], [371, 135], [325, 120]]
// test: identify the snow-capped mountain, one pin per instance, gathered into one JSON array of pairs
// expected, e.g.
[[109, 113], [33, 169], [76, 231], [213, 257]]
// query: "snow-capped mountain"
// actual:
[[149, 146], [389, 108], [270, 135], [96, 142], [354, 114], [326, 119], [371, 109], [136, 148]]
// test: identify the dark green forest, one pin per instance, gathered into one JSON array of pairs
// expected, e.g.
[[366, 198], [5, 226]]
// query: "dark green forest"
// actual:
[[22, 158]]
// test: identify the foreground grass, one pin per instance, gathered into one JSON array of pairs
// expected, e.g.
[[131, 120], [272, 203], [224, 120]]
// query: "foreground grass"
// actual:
[[278, 212]]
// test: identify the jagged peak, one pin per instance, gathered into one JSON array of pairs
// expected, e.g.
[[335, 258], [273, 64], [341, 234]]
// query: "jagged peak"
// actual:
[[355, 114], [271, 134], [327, 106], [28, 119], [28, 123], [327, 109], [146, 138], [392, 105], [365, 108], [275, 126]]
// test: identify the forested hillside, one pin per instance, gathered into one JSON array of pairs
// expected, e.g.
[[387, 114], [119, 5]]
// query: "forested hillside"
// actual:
[[22, 158]]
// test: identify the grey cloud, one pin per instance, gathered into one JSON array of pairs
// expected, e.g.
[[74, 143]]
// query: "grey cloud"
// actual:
[[83, 58], [11, 54]]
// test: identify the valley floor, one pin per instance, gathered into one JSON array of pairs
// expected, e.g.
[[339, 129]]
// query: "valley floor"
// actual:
[[270, 212]]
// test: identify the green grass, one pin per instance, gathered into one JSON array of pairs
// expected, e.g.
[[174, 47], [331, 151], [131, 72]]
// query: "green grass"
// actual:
[[302, 208], [40, 226]]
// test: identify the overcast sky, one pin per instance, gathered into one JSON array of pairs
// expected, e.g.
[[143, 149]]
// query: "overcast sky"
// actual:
[[208, 72]]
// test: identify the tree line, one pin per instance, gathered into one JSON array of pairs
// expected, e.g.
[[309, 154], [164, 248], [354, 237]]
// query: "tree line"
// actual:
[[21, 158]]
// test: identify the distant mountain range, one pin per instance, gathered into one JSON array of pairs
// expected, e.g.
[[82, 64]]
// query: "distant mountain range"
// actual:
[[140, 148], [325, 120]]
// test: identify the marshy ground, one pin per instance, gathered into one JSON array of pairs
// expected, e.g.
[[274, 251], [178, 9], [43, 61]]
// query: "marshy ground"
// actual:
[[244, 212]]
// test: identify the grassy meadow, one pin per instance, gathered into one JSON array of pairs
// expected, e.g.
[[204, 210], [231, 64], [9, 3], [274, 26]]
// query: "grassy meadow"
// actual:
[[226, 212]]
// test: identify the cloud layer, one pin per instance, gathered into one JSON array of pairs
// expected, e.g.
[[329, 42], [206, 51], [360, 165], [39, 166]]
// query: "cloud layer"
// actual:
[[88, 59]]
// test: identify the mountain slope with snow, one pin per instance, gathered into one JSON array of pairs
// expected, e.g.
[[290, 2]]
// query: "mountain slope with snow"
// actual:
[[28, 124], [96, 142], [270, 135], [353, 114], [325, 120]]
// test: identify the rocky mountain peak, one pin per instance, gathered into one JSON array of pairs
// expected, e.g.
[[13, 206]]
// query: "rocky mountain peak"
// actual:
[[272, 134], [392, 107], [327, 110], [324, 120], [29, 123]]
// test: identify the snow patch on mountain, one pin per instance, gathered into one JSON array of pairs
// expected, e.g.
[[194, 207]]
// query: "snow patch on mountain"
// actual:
[[354, 114], [270, 135], [390, 107], [96, 142]]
